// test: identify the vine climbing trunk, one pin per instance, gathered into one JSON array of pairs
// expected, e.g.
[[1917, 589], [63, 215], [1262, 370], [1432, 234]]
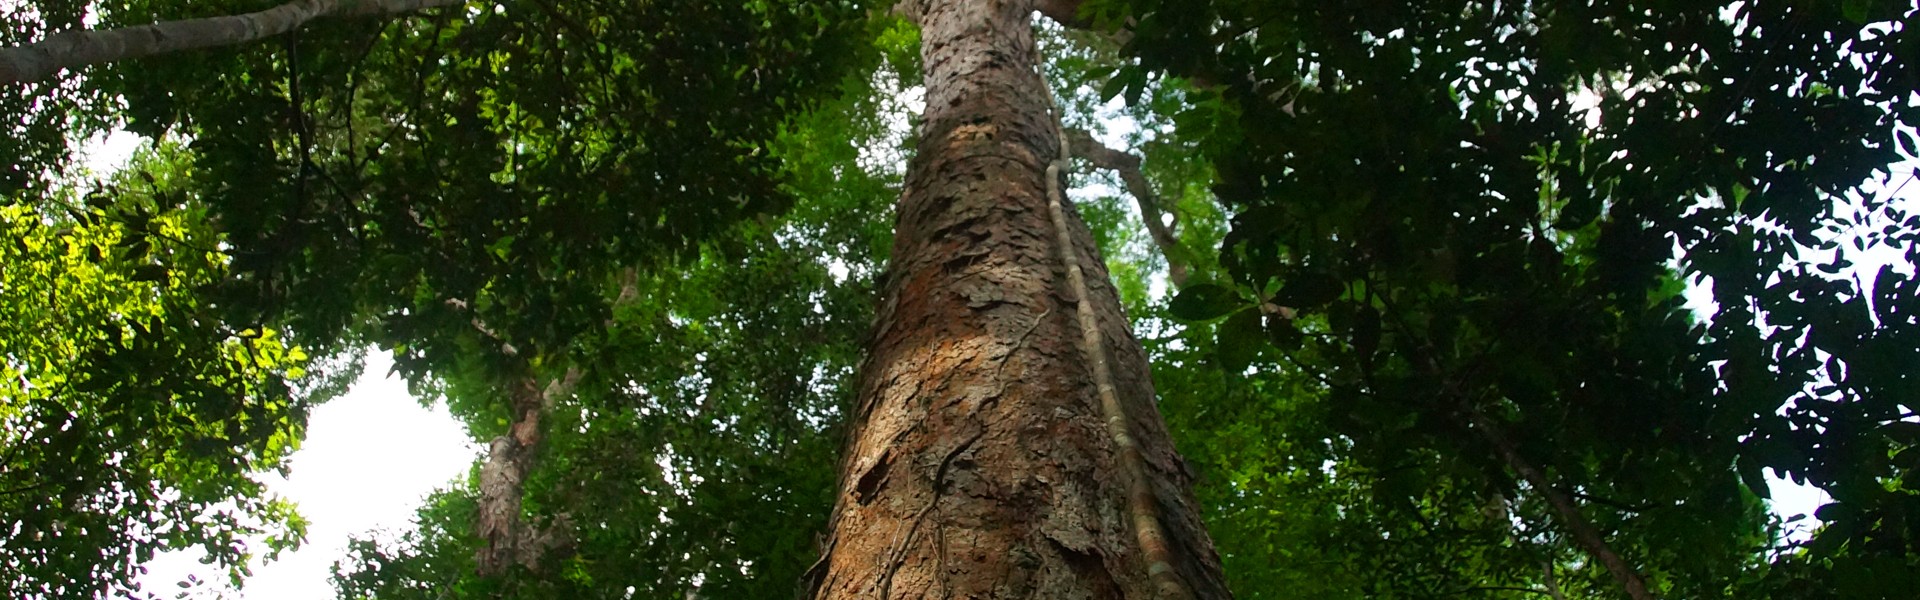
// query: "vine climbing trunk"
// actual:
[[1005, 443]]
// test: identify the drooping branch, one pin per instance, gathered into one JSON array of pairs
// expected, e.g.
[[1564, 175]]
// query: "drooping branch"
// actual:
[[1552, 582], [1564, 508], [74, 49], [1064, 12], [1127, 166], [1067, 14]]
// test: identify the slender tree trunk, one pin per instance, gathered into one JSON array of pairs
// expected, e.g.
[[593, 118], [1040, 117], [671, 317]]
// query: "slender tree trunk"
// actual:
[[1569, 514], [982, 463], [73, 49], [507, 538]]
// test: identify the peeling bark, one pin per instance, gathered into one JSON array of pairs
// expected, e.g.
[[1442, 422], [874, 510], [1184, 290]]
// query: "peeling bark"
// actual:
[[74, 49], [980, 463]]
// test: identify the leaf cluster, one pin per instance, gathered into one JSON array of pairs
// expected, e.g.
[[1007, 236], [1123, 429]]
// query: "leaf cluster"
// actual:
[[133, 416], [1480, 220]]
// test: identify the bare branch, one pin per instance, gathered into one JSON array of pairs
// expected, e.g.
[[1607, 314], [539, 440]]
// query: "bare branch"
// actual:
[[74, 49], [1568, 513], [1128, 167]]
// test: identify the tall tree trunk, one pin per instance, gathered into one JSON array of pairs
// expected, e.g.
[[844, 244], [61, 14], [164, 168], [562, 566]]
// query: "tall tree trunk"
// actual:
[[982, 463], [73, 49]]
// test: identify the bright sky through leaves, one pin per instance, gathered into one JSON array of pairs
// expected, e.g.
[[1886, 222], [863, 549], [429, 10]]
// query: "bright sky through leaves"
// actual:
[[370, 457]]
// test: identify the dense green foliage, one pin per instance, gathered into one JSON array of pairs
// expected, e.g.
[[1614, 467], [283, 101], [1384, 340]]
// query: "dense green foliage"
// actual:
[[132, 415], [704, 455], [1486, 214], [463, 186], [1438, 258]]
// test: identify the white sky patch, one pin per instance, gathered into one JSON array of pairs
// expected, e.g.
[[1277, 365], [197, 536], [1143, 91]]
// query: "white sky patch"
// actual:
[[370, 458], [107, 153], [1791, 500]]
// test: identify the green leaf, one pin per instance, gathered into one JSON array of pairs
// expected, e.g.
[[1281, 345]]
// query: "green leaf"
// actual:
[[156, 273], [1905, 432], [1204, 302], [1754, 476], [1116, 83], [1282, 332], [1366, 333], [1578, 212], [1856, 10], [1308, 290], [1239, 340]]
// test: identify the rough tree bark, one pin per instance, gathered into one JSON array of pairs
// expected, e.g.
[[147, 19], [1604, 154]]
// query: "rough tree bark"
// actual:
[[74, 49], [981, 463], [506, 538]]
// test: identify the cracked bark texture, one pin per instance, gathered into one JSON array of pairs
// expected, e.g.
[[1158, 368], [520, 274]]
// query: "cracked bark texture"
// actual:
[[979, 465]]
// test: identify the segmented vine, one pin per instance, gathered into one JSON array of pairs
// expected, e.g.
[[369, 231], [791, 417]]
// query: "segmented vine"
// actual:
[[1143, 509]]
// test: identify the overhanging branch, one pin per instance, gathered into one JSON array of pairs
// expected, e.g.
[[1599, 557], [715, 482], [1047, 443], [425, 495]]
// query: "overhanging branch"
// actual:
[[1563, 506], [1127, 166], [74, 49]]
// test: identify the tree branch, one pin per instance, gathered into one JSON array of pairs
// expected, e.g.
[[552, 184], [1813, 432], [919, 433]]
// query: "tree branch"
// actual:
[[74, 49], [1067, 14], [1499, 588], [1127, 166], [1064, 12]]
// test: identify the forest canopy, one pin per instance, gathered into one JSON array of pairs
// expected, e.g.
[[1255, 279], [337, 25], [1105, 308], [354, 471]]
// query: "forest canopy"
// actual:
[[1440, 299]]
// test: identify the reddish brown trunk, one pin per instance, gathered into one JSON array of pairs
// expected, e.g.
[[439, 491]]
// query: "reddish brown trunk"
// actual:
[[980, 464]]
